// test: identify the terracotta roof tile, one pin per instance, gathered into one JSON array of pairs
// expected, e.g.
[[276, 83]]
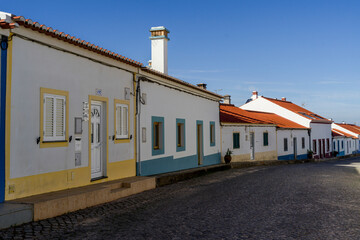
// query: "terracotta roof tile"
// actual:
[[351, 127], [336, 132], [299, 110], [232, 114]]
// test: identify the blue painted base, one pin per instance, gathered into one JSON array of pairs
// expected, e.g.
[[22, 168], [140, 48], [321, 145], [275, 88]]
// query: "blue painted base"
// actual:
[[169, 164], [342, 153], [291, 157]]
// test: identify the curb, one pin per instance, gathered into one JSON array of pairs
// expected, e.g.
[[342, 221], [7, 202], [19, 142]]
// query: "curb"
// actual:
[[174, 177]]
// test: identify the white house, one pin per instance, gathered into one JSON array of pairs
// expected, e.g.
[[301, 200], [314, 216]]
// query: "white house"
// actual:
[[320, 127], [178, 123], [70, 111], [343, 143], [349, 130], [264, 136]]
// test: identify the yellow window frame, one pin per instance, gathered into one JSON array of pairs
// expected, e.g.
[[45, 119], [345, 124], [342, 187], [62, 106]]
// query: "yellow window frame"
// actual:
[[121, 140], [65, 143]]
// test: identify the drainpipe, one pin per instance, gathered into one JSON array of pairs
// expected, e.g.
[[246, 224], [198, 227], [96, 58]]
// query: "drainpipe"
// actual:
[[138, 115]]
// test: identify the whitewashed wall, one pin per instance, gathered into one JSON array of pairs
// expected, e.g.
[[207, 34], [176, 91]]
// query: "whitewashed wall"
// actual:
[[263, 105], [321, 131], [227, 139], [290, 135], [171, 104], [35, 66]]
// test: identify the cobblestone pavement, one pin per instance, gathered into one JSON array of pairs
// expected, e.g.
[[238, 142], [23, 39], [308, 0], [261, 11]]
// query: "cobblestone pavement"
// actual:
[[301, 201]]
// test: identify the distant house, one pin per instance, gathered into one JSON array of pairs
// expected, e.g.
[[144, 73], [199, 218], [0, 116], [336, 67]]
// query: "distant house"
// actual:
[[343, 143], [319, 127], [261, 136], [349, 130]]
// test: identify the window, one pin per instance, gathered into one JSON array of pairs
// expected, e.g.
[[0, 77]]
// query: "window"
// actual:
[[54, 118], [285, 144], [212, 133], [236, 140], [122, 120], [266, 138], [314, 145], [180, 134], [342, 144], [327, 145], [303, 142], [157, 135], [334, 146]]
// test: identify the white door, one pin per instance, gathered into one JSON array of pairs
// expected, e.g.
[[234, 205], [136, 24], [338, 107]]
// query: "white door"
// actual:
[[96, 140], [252, 146]]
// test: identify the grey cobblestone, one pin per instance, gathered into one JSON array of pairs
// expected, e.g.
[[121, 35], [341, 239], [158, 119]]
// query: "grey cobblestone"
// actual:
[[302, 201]]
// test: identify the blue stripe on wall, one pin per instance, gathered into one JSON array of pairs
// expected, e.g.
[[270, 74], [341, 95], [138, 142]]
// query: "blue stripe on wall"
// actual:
[[291, 157], [169, 164], [2, 115]]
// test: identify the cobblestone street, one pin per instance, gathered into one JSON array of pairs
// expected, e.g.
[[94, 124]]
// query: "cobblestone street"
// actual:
[[300, 201]]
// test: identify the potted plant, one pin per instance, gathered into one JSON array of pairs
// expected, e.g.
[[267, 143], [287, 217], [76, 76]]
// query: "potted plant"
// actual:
[[310, 154], [335, 153], [227, 156]]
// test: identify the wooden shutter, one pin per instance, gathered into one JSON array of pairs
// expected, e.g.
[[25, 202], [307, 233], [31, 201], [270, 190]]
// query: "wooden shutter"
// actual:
[[54, 118], [48, 117], [118, 121], [122, 123]]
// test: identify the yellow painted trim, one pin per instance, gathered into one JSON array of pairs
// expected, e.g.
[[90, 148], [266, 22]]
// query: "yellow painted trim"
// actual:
[[8, 112], [60, 93], [104, 100], [65, 179], [127, 102]]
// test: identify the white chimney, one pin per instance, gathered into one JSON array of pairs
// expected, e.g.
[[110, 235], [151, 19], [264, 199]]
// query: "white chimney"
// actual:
[[159, 41], [254, 95], [283, 99], [202, 85], [227, 99]]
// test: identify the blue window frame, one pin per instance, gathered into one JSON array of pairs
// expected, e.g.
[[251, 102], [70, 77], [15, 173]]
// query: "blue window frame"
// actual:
[[212, 133], [180, 135], [157, 133]]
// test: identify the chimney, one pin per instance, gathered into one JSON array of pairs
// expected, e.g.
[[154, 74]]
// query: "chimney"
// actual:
[[254, 95], [227, 99], [283, 99], [159, 42], [202, 85]]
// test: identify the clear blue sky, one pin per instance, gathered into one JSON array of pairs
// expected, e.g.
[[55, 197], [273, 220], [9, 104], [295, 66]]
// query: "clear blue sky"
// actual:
[[305, 50]]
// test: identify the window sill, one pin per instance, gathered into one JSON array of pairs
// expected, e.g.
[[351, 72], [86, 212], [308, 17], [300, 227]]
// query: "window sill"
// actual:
[[50, 144], [125, 140]]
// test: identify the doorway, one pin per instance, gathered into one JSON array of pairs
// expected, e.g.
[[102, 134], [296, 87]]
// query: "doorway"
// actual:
[[199, 141], [295, 148], [98, 140], [252, 146]]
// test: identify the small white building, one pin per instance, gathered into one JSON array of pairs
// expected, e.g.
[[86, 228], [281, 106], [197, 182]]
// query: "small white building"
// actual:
[[343, 143], [349, 130], [178, 123], [320, 127], [265, 136]]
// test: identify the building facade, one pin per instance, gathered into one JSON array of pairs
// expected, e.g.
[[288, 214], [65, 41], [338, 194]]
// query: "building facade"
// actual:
[[320, 127]]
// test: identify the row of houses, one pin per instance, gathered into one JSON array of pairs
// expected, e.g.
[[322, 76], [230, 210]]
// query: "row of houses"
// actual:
[[75, 114]]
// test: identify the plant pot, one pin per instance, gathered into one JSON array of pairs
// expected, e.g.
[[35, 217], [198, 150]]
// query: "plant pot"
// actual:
[[227, 158]]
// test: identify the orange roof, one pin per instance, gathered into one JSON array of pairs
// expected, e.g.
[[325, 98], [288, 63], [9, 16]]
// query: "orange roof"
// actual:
[[351, 127], [231, 114], [299, 110], [336, 133]]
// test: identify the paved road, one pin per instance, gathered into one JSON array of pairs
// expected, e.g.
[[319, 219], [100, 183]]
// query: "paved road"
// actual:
[[301, 201]]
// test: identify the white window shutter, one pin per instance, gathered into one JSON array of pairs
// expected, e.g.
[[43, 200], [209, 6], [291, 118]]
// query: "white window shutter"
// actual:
[[49, 117], [118, 121], [54, 118], [60, 117], [125, 121]]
